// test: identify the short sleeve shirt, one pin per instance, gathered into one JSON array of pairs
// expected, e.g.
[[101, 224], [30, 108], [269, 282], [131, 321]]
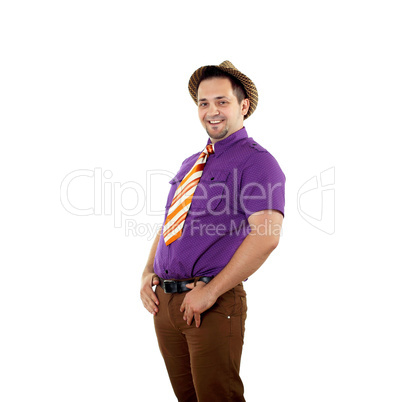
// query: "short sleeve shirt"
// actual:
[[239, 179]]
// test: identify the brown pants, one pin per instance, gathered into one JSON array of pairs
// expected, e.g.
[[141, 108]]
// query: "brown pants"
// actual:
[[203, 363]]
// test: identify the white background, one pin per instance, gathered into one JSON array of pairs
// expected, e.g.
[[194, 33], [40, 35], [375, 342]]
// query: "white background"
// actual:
[[103, 85]]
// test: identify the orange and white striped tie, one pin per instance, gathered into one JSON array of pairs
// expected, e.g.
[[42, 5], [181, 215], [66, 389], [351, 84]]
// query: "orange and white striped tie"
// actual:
[[180, 205]]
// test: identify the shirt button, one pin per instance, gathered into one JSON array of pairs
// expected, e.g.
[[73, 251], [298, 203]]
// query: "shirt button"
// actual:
[[166, 271], [212, 178]]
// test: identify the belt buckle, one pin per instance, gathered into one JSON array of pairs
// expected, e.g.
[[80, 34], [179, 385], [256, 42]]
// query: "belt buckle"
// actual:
[[167, 286]]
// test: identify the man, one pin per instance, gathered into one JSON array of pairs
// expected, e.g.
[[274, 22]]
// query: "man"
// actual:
[[223, 219]]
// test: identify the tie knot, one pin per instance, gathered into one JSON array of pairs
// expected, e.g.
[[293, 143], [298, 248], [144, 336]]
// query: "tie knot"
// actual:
[[210, 149]]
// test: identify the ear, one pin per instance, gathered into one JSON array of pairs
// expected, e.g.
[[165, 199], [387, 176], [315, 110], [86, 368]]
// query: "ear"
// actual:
[[245, 107]]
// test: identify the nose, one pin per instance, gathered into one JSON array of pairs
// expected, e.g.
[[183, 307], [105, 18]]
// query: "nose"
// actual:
[[213, 110]]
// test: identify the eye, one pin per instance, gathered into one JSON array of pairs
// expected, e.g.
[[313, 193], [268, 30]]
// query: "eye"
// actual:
[[203, 104], [222, 102]]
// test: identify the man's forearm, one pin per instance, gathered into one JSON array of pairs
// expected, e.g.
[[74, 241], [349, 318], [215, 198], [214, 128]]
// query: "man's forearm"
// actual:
[[251, 254], [148, 280], [151, 258], [249, 257]]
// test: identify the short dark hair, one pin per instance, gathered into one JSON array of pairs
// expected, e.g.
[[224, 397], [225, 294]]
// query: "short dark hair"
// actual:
[[214, 72]]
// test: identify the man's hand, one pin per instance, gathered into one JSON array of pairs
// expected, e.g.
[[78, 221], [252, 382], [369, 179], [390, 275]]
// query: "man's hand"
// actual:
[[148, 296], [198, 300]]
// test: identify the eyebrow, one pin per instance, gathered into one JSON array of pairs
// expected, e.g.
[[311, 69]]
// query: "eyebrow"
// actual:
[[217, 98]]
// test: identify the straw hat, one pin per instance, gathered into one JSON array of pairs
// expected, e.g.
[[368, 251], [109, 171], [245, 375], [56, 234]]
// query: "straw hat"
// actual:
[[250, 88]]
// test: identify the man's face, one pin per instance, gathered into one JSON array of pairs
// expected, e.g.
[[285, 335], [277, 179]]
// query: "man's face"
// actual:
[[218, 108]]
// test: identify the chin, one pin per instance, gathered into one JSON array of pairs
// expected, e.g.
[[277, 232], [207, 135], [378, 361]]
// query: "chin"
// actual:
[[218, 136]]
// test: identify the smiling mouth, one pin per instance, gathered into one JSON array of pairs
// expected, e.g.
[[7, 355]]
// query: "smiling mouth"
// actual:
[[214, 121]]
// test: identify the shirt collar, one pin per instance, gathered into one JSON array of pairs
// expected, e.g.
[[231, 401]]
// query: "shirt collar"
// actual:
[[223, 145]]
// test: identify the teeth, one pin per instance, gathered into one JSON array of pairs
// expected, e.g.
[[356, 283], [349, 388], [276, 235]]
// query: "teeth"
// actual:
[[214, 121]]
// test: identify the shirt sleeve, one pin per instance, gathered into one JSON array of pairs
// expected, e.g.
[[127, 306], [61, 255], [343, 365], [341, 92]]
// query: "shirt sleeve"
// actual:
[[262, 185]]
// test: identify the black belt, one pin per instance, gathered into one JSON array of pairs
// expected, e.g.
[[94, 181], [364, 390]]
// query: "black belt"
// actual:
[[170, 286]]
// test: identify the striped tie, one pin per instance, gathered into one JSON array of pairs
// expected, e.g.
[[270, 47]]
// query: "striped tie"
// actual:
[[180, 205]]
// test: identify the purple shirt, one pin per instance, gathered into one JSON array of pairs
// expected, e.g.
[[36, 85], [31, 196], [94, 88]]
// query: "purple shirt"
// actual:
[[239, 179]]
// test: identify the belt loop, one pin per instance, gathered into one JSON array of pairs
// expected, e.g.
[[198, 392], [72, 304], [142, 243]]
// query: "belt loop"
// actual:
[[196, 280]]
